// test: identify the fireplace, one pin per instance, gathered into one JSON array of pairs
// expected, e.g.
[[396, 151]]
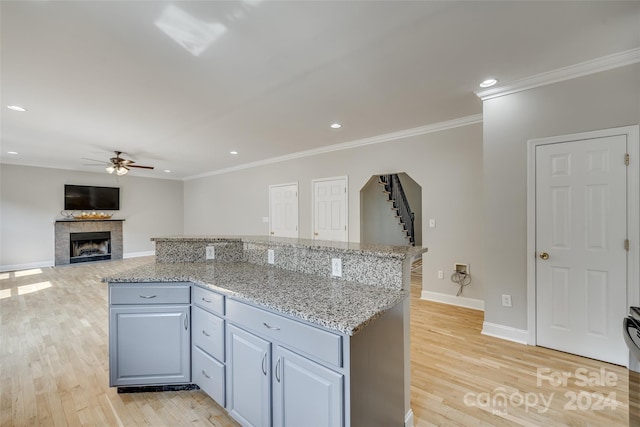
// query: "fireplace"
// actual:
[[85, 247], [96, 232]]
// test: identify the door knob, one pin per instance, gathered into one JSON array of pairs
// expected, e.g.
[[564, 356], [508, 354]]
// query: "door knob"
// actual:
[[315, 234], [544, 256]]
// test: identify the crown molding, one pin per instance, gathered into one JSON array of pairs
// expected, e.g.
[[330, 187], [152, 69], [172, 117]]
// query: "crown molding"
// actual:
[[597, 65], [435, 127]]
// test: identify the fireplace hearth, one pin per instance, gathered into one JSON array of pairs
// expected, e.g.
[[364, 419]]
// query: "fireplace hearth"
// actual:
[[86, 247]]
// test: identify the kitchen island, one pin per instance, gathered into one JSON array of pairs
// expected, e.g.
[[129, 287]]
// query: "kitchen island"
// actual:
[[286, 346]]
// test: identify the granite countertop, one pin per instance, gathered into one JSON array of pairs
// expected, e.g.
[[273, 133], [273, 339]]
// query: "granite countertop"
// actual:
[[389, 251], [343, 306]]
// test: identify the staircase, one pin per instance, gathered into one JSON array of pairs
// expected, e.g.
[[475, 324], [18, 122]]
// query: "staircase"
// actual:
[[400, 204]]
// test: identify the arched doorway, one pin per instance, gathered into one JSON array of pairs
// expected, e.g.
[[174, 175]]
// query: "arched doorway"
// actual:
[[391, 210]]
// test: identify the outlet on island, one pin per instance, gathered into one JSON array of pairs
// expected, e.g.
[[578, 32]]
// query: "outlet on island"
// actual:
[[270, 256], [211, 252], [336, 267]]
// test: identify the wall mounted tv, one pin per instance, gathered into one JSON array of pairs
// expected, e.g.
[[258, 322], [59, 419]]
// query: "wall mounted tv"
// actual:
[[90, 198]]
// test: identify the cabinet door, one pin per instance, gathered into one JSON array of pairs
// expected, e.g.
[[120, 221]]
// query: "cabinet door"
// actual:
[[305, 393], [248, 378], [149, 345]]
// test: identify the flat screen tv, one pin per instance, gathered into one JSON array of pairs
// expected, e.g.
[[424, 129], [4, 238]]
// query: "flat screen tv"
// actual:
[[91, 198]]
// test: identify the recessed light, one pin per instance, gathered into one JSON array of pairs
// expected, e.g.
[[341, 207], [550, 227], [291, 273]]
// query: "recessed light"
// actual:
[[488, 82], [16, 108], [12, 152], [167, 171], [336, 126], [233, 152]]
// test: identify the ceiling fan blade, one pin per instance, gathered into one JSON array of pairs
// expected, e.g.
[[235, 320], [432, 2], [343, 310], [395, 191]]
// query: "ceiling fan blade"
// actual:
[[94, 160], [140, 166]]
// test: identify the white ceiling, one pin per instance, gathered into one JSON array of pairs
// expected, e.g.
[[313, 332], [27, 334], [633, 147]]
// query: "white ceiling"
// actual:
[[267, 78]]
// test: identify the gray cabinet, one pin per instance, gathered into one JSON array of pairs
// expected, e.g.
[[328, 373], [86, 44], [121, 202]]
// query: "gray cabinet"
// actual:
[[149, 334], [305, 393], [269, 384], [248, 378]]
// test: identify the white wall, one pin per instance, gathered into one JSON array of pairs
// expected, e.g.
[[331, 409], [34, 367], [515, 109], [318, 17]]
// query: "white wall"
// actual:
[[447, 164], [603, 100], [31, 200]]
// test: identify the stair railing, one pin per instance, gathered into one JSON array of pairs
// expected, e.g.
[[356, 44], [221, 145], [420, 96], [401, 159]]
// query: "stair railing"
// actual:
[[393, 186]]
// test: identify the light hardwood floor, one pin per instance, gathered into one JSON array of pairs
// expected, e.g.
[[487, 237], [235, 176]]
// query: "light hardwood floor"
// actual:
[[54, 366]]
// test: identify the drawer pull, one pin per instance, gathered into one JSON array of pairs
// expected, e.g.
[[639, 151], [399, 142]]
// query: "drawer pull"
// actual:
[[206, 300], [147, 296], [205, 333], [264, 364], [205, 375], [273, 328]]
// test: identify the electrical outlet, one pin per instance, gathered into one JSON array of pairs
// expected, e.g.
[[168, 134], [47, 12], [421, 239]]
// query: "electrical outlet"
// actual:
[[270, 256], [336, 267], [265, 219], [506, 301], [211, 252], [440, 274], [432, 223]]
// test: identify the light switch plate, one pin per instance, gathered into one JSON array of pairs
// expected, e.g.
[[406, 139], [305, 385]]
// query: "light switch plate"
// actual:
[[265, 219], [432, 223]]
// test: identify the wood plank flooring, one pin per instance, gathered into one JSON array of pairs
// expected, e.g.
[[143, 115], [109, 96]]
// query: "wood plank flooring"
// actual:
[[54, 366]]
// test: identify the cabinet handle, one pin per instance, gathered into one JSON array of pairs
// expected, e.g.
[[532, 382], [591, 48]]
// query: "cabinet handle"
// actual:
[[206, 300], [186, 322], [273, 328], [278, 370], [264, 364], [205, 333], [205, 374], [147, 296]]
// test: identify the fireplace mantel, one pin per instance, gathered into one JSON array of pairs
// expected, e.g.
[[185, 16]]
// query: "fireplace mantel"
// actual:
[[87, 220], [64, 228]]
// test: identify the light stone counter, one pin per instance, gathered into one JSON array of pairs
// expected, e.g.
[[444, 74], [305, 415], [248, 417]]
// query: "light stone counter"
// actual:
[[381, 266], [339, 305]]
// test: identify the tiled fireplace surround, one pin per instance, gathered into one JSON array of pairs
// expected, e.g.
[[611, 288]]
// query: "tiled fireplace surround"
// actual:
[[64, 228]]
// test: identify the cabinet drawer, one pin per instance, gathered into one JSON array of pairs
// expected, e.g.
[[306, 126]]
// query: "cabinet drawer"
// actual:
[[209, 300], [207, 332], [322, 345], [208, 374], [149, 293]]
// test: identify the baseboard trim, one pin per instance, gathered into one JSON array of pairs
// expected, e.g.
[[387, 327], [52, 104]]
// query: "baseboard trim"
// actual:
[[475, 304], [408, 419], [27, 266], [138, 254], [508, 333]]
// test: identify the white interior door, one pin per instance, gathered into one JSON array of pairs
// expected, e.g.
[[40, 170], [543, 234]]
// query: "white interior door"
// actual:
[[330, 214], [283, 207], [581, 224]]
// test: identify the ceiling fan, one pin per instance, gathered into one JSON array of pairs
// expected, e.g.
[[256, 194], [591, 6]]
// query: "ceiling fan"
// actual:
[[119, 165]]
